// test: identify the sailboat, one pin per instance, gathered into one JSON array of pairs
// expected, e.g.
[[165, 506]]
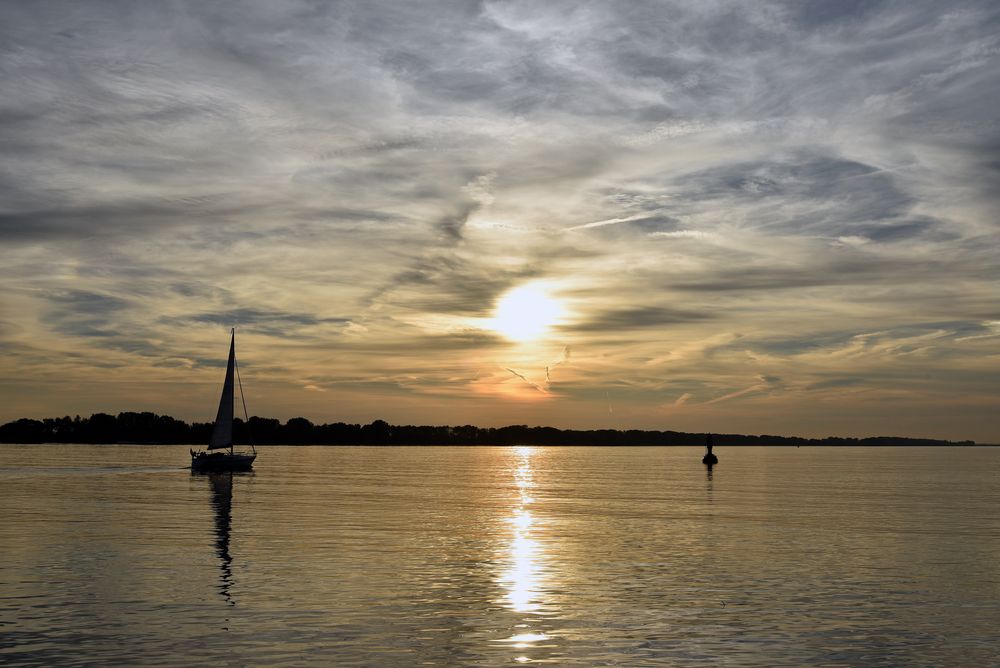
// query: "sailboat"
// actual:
[[215, 457]]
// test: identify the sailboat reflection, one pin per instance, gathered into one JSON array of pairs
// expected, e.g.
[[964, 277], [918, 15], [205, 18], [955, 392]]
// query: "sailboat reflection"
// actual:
[[523, 580], [222, 504]]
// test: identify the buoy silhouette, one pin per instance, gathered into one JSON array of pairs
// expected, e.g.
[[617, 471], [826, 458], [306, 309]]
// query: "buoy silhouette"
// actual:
[[709, 459]]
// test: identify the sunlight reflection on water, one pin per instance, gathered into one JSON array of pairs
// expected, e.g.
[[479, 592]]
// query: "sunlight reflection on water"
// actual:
[[522, 578], [500, 556]]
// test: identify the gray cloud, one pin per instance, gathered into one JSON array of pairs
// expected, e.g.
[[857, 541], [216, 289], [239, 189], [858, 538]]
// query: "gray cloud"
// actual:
[[125, 218], [250, 316], [374, 176], [628, 319], [809, 193], [837, 271], [84, 313]]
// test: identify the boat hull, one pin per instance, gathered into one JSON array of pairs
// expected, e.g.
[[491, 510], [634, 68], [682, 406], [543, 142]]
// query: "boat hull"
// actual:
[[221, 461]]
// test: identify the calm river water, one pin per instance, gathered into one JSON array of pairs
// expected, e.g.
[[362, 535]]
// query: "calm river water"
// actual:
[[449, 556]]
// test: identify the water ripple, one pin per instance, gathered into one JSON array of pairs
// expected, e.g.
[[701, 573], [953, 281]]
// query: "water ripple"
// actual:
[[499, 556]]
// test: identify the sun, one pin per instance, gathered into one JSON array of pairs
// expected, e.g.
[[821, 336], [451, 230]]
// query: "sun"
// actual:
[[526, 313]]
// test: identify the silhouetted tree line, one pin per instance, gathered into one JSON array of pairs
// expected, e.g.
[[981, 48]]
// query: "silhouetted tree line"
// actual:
[[152, 428]]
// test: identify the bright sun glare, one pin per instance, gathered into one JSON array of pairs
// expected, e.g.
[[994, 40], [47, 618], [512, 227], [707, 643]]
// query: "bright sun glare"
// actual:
[[526, 313]]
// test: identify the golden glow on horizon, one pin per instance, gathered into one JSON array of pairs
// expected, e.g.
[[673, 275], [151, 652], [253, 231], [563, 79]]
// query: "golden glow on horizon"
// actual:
[[526, 313]]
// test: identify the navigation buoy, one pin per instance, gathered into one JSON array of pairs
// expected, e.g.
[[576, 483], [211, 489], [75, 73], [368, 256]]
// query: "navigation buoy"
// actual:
[[709, 459]]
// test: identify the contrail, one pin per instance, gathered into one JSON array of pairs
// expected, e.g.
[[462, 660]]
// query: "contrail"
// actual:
[[543, 388], [765, 383], [564, 360], [522, 377], [609, 221]]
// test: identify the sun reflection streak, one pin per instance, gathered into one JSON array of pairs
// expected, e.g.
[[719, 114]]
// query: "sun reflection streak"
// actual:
[[522, 579]]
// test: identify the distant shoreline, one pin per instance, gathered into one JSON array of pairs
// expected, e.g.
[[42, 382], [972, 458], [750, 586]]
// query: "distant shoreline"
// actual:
[[151, 429], [948, 444]]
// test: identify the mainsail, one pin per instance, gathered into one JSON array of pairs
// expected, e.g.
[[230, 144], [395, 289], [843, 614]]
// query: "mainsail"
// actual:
[[222, 433]]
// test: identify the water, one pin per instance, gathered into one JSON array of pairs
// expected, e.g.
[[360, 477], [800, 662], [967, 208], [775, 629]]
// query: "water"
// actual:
[[114, 555]]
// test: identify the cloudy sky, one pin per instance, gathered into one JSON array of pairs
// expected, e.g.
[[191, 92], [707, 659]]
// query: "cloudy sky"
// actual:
[[758, 217]]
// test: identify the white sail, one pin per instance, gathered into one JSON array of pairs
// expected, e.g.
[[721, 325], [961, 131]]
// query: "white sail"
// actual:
[[222, 433]]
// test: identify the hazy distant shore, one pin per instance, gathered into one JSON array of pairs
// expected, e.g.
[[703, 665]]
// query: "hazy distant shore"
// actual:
[[150, 428]]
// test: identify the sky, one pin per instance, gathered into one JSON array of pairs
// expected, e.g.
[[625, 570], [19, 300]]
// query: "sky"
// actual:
[[752, 217]]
